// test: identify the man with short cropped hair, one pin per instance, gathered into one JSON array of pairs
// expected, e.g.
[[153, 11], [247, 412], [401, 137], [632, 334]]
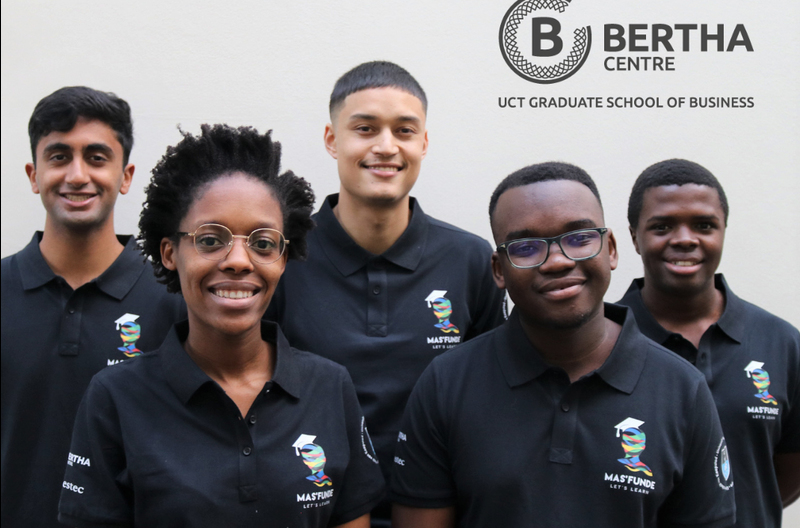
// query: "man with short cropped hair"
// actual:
[[386, 288], [566, 415], [78, 298], [678, 213]]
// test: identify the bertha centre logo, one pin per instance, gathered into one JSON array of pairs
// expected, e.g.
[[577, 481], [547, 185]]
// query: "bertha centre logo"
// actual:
[[532, 45]]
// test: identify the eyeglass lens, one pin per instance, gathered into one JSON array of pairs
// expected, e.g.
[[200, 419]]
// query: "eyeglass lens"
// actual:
[[213, 242], [533, 252]]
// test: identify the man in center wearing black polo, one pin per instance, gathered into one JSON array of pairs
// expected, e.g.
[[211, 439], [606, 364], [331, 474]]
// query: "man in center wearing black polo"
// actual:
[[566, 415], [386, 288], [678, 213]]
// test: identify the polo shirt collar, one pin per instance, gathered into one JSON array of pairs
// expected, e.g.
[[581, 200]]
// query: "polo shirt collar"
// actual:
[[348, 257], [520, 362], [116, 281], [733, 318], [732, 322], [186, 377]]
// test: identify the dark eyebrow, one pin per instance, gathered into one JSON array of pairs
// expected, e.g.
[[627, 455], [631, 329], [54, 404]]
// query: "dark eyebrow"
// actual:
[[668, 218], [370, 117], [569, 226], [55, 147], [99, 147]]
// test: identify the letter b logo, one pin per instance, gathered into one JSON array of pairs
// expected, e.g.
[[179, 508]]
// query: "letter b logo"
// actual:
[[542, 56], [547, 29]]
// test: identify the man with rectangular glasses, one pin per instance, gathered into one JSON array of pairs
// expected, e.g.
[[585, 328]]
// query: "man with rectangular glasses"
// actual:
[[678, 213], [566, 415]]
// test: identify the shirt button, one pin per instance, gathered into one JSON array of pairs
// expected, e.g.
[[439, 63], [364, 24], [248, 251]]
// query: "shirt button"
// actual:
[[376, 290], [564, 406], [72, 310], [247, 450], [252, 419]]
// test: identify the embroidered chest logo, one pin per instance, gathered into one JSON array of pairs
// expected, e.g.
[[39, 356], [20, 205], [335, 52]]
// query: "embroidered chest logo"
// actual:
[[633, 442], [760, 379], [130, 332], [442, 309], [313, 457]]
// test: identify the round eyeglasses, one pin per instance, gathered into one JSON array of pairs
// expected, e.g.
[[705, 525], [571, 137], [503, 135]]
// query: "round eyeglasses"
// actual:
[[214, 242], [582, 244]]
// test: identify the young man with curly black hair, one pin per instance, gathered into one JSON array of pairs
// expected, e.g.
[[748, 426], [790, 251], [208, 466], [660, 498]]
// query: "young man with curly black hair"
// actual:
[[678, 213], [386, 287], [77, 299]]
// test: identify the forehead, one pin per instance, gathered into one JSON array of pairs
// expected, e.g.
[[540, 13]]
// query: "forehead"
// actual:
[[85, 132], [689, 199], [386, 102], [547, 208], [235, 200]]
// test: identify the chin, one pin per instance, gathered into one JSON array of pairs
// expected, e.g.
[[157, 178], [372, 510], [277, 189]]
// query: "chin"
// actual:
[[567, 322]]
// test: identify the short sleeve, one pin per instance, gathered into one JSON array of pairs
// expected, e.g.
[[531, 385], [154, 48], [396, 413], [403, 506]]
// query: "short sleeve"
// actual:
[[489, 306], [704, 495], [790, 424], [363, 486], [95, 491], [421, 475]]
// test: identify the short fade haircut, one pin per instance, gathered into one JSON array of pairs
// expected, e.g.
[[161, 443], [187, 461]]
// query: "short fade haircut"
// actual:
[[376, 74], [540, 172], [60, 110], [671, 172], [188, 168]]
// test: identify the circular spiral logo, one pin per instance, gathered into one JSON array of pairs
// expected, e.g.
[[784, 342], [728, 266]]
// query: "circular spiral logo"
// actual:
[[521, 12]]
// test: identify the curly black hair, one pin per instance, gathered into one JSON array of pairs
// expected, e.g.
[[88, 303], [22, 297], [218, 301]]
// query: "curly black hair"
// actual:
[[672, 172], [195, 162]]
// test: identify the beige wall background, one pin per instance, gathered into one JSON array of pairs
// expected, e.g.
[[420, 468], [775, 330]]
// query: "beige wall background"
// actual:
[[272, 65]]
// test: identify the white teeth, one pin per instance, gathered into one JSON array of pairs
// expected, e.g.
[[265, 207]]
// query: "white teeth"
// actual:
[[384, 169], [233, 294], [77, 197], [684, 263]]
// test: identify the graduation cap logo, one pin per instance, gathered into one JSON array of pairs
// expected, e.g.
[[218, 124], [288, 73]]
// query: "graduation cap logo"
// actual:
[[313, 457], [130, 334], [760, 379], [442, 309], [633, 443]]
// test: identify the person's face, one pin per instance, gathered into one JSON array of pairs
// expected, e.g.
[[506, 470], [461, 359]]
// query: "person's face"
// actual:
[[561, 293], [680, 236], [232, 294], [79, 174], [378, 139]]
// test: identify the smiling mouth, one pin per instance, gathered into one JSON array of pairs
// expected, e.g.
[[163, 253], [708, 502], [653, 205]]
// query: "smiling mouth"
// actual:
[[684, 263], [77, 197], [233, 294], [382, 168]]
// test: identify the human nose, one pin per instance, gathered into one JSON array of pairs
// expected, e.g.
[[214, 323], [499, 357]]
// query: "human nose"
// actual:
[[555, 260], [684, 237], [77, 173], [238, 257], [385, 144]]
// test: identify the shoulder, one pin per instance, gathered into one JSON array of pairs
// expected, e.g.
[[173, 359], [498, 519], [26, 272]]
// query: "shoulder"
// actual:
[[451, 232], [758, 317], [462, 363], [318, 368], [130, 376]]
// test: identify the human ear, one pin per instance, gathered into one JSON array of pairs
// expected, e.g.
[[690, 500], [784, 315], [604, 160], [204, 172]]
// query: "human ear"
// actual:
[[330, 141], [497, 271], [168, 250], [30, 170]]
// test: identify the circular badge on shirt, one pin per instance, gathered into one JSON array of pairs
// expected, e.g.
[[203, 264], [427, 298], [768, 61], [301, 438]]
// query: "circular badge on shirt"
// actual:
[[366, 442], [722, 466]]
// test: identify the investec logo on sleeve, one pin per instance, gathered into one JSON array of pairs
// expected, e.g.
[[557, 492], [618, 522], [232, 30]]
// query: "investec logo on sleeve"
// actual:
[[544, 42]]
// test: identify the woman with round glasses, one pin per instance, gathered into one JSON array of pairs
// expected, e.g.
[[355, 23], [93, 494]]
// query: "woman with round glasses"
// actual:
[[225, 424]]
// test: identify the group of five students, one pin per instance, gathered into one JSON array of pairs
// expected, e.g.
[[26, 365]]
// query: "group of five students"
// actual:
[[566, 414]]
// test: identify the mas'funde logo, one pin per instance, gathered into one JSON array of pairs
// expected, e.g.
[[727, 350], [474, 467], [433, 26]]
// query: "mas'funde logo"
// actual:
[[533, 47]]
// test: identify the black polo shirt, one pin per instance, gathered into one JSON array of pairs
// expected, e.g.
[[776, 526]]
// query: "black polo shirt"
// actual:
[[159, 443], [385, 317], [54, 339], [746, 346], [508, 441]]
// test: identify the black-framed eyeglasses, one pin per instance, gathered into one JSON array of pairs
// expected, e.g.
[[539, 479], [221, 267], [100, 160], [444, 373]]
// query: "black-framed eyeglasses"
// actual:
[[215, 241], [582, 244]]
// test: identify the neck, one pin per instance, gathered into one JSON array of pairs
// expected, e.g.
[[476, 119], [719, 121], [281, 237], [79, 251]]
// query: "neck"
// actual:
[[79, 256], [672, 309], [227, 358], [373, 227], [578, 351]]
